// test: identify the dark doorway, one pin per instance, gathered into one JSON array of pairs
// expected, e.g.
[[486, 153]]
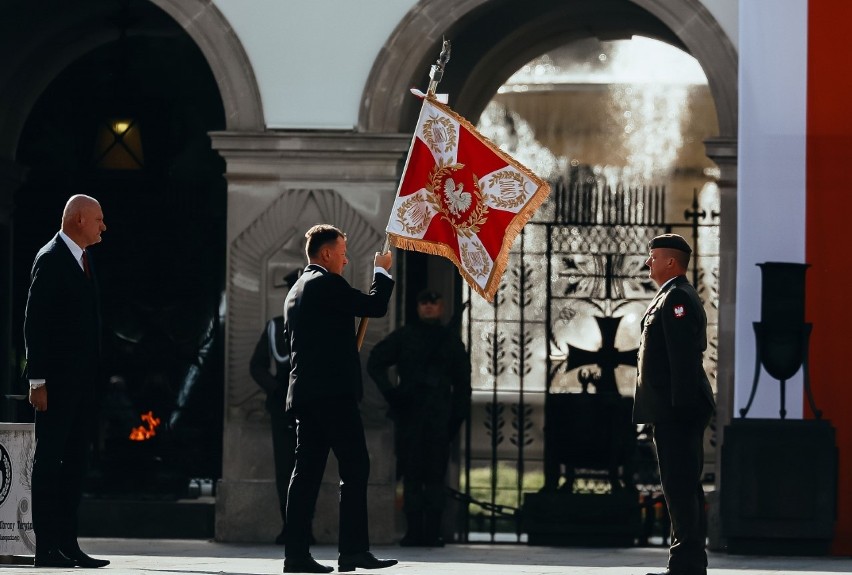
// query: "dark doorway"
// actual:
[[162, 262]]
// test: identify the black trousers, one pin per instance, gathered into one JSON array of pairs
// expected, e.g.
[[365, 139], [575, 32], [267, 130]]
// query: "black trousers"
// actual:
[[680, 452], [334, 425], [59, 466], [423, 453], [284, 453]]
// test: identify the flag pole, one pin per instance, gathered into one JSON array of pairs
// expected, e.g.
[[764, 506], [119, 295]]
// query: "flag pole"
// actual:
[[362, 324], [436, 74]]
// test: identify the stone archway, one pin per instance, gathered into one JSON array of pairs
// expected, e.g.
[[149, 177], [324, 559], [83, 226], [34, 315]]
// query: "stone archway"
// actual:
[[52, 37], [490, 55], [26, 71], [283, 222], [492, 40], [228, 61]]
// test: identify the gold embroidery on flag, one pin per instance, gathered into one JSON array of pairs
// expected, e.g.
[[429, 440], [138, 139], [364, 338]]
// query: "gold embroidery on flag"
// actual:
[[475, 259], [451, 199], [413, 216], [512, 186], [442, 130], [439, 131]]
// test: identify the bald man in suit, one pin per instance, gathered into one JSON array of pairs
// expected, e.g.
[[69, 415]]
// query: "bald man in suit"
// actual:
[[62, 334], [324, 391]]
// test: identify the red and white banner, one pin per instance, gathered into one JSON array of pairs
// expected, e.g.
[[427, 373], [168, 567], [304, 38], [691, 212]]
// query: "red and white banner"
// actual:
[[793, 203], [462, 198]]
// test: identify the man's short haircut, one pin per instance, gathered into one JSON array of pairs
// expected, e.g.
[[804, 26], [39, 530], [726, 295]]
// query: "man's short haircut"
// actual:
[[682, 258], [677, 247], [320, 235]]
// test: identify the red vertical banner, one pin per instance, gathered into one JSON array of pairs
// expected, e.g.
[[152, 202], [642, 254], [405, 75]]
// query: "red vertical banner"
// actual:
[[828, 243]]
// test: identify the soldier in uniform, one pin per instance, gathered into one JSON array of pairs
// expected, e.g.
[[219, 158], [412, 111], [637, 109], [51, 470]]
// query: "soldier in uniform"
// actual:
[[674, 396], [428, 406], [270, 369]]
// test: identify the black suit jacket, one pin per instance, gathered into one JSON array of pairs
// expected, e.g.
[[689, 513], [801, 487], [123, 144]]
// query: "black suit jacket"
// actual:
[[62, 324], [319, 322], [672, 384]]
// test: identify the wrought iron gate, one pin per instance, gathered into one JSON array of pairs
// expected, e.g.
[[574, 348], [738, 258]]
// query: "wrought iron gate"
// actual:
[[568, 309]]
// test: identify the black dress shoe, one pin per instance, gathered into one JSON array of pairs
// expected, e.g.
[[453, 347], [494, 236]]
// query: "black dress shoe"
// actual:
[[304, 565], [80, 559], [53, 558], [670, 572], [363, 560]]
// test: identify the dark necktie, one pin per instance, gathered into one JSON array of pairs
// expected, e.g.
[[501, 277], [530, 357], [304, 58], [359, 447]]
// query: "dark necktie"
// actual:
[[86, 265]]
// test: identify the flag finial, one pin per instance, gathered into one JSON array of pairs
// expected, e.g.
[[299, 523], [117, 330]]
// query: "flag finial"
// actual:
[[437, 71]]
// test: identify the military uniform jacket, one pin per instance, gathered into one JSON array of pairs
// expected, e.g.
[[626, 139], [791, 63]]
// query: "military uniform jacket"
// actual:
[[672, 384], [272, 347], [434, 373]]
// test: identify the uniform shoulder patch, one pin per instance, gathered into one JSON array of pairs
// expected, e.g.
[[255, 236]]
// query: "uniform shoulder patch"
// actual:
[[679, 310]]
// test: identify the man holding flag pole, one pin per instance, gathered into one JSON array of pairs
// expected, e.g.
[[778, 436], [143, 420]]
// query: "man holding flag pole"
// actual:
[[323, 393]]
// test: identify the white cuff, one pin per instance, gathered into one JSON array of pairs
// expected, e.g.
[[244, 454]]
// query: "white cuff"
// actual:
[[383, 271], [36, 383]]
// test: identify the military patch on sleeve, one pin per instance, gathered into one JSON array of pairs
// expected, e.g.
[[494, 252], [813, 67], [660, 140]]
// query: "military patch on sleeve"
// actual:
[[679, 311]]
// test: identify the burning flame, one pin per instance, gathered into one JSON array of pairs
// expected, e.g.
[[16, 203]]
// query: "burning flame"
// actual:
[[142, 432]]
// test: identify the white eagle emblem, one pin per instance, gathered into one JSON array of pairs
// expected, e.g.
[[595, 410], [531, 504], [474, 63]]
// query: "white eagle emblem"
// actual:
[[679, 311], [458, 201]]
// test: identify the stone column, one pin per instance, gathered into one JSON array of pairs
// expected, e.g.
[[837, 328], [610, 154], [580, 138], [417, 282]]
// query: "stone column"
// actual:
[[279, 184], [723, 151], [11, 178]]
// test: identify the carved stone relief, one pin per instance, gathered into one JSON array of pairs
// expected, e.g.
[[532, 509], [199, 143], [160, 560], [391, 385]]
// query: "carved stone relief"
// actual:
[[268, 249]]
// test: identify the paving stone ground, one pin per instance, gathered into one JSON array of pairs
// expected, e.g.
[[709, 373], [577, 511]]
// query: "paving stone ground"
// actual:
[[199, 557]]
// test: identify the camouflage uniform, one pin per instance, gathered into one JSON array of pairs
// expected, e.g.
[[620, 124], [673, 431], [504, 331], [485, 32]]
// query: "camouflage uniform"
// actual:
[[428, 405]]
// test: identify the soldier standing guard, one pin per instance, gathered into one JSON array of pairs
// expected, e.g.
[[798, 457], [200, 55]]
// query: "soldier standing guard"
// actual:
[[674, 395], [428, 406]]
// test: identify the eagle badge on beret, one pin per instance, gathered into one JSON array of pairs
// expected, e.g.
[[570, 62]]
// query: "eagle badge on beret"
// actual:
[[679, 311]]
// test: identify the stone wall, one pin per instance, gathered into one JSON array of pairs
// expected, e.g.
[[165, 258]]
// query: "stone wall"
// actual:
[[280, 184]]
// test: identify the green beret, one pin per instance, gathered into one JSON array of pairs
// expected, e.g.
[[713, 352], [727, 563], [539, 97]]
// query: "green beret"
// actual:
[[670, 241]]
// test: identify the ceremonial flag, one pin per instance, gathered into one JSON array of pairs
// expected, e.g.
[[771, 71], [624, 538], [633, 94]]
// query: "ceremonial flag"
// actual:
[[461, 197]]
